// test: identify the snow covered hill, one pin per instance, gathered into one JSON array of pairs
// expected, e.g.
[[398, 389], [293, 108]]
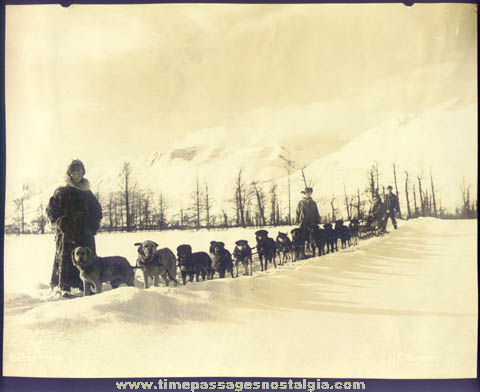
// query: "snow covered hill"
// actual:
[[399, 306], [443, 138]]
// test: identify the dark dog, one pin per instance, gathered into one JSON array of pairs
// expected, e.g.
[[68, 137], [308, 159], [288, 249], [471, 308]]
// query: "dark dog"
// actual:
[[298, 243], [95, 270], [198, 263], [370, 226], [331, 238], [155, 263], [243, 254], [221, 259], [266, 248], [366, 228], [343, 233], [353, 227], [284, 247], [318, 239]]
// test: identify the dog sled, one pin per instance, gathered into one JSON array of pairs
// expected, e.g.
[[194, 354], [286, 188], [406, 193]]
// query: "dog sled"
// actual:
[[371, 226]]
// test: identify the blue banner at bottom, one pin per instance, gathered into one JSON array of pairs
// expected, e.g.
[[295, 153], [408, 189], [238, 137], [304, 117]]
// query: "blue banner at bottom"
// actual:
[[197, 384]]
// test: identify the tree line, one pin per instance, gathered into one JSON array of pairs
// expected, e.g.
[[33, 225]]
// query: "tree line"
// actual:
[[131, 207]]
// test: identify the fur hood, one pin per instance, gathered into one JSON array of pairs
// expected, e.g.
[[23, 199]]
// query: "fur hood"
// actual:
[[83, 185]]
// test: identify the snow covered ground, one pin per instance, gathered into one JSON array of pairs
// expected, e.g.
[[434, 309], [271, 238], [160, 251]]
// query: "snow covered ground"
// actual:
[[399, 306]]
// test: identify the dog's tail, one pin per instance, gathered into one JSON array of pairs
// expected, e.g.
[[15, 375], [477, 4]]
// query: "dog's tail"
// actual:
[[171, 277]]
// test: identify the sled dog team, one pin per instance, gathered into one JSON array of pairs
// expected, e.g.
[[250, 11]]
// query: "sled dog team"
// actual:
[[76, 215], [155, 263]]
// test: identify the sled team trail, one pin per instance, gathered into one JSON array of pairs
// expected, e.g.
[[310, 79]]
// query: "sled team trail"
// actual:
[[403, 305]]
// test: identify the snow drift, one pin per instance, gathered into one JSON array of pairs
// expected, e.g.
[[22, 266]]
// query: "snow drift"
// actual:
[[399, 306]]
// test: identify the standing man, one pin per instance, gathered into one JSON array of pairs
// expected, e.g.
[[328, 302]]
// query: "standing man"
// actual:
[[307, 212], [377, 213], [391, 205], [76, 215]]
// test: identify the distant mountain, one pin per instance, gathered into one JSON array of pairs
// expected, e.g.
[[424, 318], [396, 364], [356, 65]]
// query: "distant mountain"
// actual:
[[175, 172], [443, 138]]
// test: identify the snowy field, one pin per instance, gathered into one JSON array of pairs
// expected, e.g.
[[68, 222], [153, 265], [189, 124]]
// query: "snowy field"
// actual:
[[399, 306]]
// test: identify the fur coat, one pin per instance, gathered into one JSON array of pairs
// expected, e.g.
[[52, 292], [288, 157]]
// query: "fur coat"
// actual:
[[76, 214]]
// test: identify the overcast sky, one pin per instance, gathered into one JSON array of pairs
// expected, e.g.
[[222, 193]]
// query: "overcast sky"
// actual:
[[102, 82]]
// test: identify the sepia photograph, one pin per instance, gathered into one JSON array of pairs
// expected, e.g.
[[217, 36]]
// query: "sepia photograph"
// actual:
[[241, 190]]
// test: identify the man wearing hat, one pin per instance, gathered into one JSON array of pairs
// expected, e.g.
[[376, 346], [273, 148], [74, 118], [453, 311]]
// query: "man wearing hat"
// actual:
[[307, 211], [391, 206], [76, 215], [377, 212]]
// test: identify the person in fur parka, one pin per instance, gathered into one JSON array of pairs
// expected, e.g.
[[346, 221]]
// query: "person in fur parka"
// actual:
[[76, 215], [307, 211]]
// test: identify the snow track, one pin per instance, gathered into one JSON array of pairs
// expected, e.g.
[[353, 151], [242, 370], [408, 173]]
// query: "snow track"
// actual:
[[403, 306]]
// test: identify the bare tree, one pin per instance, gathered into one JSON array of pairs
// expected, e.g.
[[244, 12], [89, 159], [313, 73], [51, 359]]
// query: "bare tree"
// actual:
[[225, 218], [422, 201], [138, 208], [346, 202], [119, 205], [359, 215], [182, 218], [371, 183], [440, 209], [133, 212], [20, 205], [240, 199], [396, 190], [433, 194], [426, 201], [465, 190], [147, 209], [274, 206], [289, 166], [304, 179], [161, 219], [406, 195], [125, 178], [213, 221], [207, 206], [197, 198], [260, 203], [40, 221], [310, 183], [110, 210], [237, 206], [415, 201]]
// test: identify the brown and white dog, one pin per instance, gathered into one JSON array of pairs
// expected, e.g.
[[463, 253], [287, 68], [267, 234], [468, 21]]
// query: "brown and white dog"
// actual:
[[284, 247], [95, 270], [298, 244], [221, 259], [243, 254], [155, 263]]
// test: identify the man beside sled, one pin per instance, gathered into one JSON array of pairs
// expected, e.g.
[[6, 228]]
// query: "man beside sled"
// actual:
[[307, 212], [391, 207]]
